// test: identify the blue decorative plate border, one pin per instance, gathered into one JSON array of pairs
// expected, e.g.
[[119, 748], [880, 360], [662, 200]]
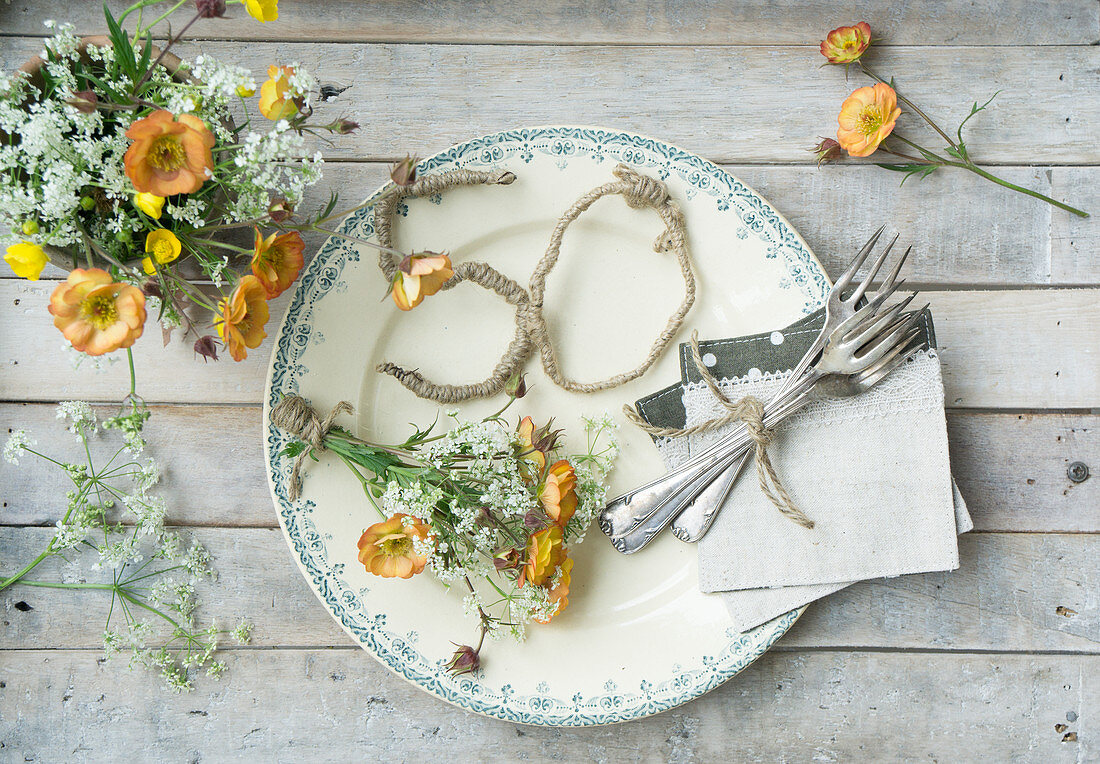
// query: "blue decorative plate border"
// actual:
[[398, 652]]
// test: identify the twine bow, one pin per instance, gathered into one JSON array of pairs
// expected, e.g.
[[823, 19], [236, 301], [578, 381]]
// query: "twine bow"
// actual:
[[295, 415], [532, 332], [749, 410]]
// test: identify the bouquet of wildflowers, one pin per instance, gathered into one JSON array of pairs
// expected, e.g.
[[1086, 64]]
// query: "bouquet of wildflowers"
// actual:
[[159, 184], [485, 506]]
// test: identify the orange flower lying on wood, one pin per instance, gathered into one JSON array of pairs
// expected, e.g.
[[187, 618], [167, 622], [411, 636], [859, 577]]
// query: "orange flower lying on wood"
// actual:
[[97, 314], [388, 548], [558, 495], [866, 117], [242, 316], [277, 260], [419, 275], [169, 155], [844, 45]]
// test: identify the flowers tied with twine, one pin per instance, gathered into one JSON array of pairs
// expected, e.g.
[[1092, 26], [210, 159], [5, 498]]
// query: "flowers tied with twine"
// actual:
[[750, 411], [532, 332], [470, 504]]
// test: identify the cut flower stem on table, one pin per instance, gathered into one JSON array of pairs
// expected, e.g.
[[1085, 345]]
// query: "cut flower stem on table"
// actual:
[[484, 505], [868, 117], [112, 517]]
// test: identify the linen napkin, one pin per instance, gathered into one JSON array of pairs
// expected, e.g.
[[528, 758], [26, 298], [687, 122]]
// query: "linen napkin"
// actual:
[[900, 516]]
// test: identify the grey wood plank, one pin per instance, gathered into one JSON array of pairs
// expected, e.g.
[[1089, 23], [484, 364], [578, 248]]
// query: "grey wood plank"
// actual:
[[788, 706], [923, 22], [1011, 469], [1013, 592], [1001, 349], [995, 238], [744, 113]]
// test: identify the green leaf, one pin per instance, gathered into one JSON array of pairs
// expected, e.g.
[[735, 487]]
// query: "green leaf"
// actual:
[[974, 110], [124, 52], [294, 448]]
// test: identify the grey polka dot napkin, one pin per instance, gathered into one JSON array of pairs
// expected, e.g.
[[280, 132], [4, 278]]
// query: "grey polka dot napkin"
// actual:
[[760, 564]]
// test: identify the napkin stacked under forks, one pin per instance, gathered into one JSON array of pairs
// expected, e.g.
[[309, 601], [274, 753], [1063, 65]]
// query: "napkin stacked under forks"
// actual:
[[871, 471]]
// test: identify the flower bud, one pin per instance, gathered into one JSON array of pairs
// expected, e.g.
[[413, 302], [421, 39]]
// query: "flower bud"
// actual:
[[508, 559], [827, 150], [30, 227], [404, 172], [210, 9], [87, 202], [516, 387], [280, 210], [83, 101], [207, 347], [464, 661], [344, 126], [535, 520]]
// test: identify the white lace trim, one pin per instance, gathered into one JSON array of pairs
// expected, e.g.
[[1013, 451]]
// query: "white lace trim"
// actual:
[[914, 387]]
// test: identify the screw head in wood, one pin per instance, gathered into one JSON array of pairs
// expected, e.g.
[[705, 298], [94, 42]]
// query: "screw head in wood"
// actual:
[[1078, 472]]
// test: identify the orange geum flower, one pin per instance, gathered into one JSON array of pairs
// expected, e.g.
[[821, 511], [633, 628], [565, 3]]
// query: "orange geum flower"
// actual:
[[844, 45], [242, 316], [278, 100], [419, 275], [277, 260], [169, 155], [96, 313], [866, 117], [388, 548], [559, 594], [557, 494], [544, 554]]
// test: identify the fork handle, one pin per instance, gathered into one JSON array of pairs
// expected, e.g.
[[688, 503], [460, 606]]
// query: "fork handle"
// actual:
[[695, 520]]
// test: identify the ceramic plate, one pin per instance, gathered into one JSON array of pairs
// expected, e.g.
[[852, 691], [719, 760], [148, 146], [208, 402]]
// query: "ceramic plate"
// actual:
[[638, 637]]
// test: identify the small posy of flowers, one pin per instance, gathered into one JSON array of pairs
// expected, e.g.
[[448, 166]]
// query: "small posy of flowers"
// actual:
[[492, 507], [111, 520], [868, 117], [148, 179]]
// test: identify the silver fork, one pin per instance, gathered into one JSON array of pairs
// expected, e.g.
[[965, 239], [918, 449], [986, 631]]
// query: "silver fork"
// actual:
[[695, 520], [627, 512], [857, 345]]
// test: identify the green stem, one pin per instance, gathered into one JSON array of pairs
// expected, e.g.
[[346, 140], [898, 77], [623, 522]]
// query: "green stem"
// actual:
[[1002, 182], [910, 104], [133, 375], [30, 566]]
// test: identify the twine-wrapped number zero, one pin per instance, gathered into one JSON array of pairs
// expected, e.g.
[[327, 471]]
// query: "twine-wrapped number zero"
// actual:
[[532, 332]]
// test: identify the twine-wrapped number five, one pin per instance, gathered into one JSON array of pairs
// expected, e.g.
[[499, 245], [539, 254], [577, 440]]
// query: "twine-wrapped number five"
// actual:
[[532, 333]]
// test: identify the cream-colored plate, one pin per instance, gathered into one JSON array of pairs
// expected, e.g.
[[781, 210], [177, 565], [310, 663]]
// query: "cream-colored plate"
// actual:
[[638, 637]]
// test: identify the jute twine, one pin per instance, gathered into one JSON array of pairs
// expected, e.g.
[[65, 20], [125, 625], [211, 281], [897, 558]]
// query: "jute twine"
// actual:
[[532, 332], [749, 410], [295, 415]]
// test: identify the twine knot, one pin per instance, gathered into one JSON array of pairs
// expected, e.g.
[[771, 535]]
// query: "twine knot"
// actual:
[[641, 190], [749, 410], [532, 333], [295, 415]]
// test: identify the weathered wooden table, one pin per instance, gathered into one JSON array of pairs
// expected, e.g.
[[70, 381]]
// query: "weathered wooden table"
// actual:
[[988, 662]]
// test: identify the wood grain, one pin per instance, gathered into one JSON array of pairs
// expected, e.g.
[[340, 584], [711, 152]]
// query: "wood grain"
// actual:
[[923, 22], [1010, 468], [1000, 349], [1005, 596], [1008, 239], [426, 97], [788, 706]]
